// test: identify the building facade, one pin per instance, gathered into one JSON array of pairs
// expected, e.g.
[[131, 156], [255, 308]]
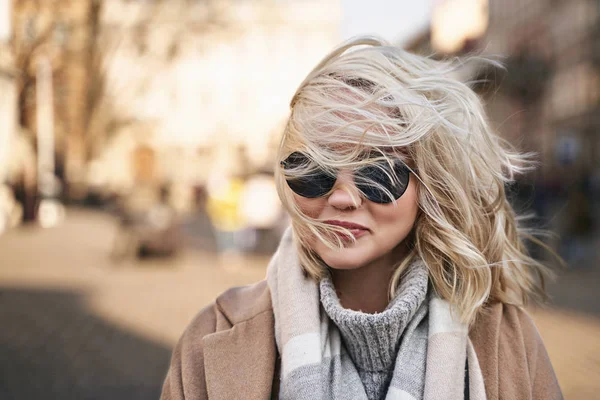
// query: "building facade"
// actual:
[[555, 78], [198, 83], [205, 85], [547, 100]]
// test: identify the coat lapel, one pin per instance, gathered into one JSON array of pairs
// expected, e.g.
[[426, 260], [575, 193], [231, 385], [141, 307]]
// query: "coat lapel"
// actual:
[[240, 362]]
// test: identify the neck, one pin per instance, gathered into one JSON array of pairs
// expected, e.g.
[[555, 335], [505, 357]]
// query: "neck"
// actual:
[[366, 288]]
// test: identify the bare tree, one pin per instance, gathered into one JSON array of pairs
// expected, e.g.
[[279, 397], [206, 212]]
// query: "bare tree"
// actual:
[[33, 33]]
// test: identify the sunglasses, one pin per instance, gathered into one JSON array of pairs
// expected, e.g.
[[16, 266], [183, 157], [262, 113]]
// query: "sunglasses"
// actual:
[[379, 181]]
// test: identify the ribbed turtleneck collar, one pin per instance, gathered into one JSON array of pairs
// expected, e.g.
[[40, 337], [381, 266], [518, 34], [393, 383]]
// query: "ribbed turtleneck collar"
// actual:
[[372, 340]]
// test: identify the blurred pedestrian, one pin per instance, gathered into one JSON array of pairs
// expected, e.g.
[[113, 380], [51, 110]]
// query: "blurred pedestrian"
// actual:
[[147, 225], [403, 273], [223, 208]]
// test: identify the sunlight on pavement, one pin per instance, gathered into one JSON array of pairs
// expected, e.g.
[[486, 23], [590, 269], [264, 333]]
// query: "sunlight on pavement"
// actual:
[[572, 340]]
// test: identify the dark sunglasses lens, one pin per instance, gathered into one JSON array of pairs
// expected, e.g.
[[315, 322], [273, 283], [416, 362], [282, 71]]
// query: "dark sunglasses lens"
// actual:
[[315, 183], [375, 181]]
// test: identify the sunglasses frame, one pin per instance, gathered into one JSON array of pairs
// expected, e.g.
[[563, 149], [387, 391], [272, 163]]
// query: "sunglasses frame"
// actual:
[[376, 199]]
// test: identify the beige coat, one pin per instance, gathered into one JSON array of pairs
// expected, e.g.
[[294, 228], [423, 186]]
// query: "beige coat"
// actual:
[[229, 352]]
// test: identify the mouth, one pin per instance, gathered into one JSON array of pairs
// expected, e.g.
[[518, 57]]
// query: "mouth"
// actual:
[[355, 229]]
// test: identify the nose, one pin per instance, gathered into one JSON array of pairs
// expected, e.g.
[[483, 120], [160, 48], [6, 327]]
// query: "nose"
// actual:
[[345, 195]]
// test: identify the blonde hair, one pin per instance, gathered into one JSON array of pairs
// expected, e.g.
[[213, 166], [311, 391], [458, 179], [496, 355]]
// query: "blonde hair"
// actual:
[[368, 95]]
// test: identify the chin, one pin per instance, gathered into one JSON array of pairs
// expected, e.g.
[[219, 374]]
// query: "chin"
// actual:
[[348, 258]]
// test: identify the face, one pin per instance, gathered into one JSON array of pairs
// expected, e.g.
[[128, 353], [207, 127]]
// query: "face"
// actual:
[[379, 229]]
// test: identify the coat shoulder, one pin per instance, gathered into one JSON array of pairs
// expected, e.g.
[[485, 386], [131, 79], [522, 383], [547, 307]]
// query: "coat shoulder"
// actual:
[[240, 304], [507, 322], [506, 339], [186, 378], [507, 316], [235, 305]]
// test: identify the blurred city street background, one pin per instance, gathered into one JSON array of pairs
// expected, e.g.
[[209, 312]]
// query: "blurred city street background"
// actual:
[[137, 147]]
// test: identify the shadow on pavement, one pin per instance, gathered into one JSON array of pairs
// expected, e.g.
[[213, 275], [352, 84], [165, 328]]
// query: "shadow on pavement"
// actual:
[[53, 347]]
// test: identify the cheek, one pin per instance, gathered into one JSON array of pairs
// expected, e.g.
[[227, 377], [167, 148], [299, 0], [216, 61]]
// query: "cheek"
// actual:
[[310, 207], [401, 217]]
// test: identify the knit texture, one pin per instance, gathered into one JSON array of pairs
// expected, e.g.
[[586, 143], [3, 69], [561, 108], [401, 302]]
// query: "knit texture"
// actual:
[[316, 365], [373, 340]]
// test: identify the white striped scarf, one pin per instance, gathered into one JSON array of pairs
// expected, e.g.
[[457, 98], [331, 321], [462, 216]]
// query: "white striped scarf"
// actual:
[[315, 365]]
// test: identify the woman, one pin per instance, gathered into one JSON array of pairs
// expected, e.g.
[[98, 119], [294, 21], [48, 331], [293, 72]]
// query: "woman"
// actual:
[[403, 273]]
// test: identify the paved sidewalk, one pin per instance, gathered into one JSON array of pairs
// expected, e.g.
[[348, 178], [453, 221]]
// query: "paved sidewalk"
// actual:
[[77, 326]]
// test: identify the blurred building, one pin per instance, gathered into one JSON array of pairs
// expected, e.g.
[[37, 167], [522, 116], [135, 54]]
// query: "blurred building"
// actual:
[[549, 97], [157, 93], [545, 100], [555, 77], [200, 90]]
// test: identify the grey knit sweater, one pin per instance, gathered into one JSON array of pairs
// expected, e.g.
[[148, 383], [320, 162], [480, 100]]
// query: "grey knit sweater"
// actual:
[[373, 340]]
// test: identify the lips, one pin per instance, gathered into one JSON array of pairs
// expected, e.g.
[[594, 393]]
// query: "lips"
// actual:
[[347, 225], [357, 230]]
